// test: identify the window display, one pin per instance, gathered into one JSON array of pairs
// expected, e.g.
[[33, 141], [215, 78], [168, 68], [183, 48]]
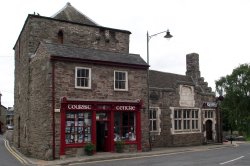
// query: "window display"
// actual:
[[78, 125], [124, 128]]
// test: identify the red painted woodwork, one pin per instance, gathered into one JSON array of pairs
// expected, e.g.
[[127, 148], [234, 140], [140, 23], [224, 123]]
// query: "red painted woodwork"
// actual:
[[95, 107]]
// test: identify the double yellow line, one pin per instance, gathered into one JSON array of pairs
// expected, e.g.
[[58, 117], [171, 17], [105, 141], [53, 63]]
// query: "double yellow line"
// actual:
[[17, 156]]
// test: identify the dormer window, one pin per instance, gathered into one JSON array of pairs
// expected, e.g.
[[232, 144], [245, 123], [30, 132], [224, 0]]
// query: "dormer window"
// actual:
[[60, 37]]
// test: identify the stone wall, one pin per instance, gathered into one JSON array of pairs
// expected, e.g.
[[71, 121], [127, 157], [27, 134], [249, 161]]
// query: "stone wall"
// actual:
[[32, 93], [102, 89], [170, 98], [39, 134]]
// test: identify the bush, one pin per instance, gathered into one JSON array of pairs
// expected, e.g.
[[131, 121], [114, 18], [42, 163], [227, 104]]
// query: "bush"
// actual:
[[119, 146], [89, 148]]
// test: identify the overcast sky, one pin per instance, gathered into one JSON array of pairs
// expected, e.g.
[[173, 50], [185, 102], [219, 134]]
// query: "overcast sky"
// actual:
[[218, 30]]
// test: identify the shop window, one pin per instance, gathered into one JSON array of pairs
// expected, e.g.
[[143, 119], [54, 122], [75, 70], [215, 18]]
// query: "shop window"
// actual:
[[83, 78], [124, 128], [78, 127], [154, 118], [121, 80], [185, 120]]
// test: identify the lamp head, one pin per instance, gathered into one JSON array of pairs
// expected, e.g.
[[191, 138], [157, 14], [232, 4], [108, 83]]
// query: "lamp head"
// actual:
[[168, 35]]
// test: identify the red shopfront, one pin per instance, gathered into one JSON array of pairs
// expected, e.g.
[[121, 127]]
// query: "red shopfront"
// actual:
[[99, 122]]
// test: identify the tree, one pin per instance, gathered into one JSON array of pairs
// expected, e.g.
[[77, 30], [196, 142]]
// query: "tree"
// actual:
[[236, 104]]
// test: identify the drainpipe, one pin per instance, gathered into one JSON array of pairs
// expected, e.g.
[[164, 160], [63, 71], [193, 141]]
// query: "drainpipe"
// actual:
[[53, 108]]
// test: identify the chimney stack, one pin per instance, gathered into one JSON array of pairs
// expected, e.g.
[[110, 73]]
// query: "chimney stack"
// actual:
[[193, 69]]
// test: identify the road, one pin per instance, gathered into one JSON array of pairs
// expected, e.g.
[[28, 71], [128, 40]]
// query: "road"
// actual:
[[230, 156], [7, 156]]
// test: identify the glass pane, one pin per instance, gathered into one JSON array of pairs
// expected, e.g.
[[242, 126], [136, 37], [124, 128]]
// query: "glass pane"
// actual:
[[86, 74], [125, 133], [175, 114], [76, 125], [179, 126], [78, 73], [188, 124], [131, 119], [179, 113], [154, 125], [125, 117], [151, 125], [154, 114], [122, 85], [188, 113], [176, 124]]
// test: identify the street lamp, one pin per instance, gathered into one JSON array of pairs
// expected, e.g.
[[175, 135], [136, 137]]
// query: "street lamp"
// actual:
[[168, 36]]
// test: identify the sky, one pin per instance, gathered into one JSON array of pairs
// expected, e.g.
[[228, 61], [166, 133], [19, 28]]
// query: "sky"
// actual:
[[218, 30]]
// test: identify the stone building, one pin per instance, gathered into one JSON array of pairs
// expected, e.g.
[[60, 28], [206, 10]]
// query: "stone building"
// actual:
[[3, 110], [2, 119], [76, 82], [183, 109]]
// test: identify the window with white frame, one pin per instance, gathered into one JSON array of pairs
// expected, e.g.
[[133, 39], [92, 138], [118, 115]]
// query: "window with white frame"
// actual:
[[121, 80], [154, 119], [185, 120], [209, 114], [83, 77]]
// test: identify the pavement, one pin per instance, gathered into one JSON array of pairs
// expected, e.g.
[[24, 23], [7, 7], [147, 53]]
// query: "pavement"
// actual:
[[101, 156]]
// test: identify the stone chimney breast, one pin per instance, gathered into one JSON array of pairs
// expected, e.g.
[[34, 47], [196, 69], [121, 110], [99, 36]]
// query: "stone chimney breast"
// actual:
[[192, 65]]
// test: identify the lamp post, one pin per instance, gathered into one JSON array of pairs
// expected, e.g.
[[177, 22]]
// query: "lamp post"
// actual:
[[168, 36]]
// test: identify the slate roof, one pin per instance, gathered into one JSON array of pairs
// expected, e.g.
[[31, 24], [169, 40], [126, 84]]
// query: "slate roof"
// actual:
[[69, 13], [158, 79], [74, 52]]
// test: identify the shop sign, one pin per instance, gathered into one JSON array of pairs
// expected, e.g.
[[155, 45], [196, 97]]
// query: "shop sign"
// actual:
[[210, 104], [79, 107], [125, 108]]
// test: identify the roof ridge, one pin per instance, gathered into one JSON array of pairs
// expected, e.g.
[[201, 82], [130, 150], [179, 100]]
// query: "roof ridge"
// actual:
[[69, 5], [169, 73]]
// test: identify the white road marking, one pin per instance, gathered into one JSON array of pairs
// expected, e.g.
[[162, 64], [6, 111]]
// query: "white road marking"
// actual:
[[232, 160]]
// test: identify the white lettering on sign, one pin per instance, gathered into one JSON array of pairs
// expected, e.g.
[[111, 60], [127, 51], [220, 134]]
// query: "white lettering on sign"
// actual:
[[211, 104], [125, 108], [79, 107]]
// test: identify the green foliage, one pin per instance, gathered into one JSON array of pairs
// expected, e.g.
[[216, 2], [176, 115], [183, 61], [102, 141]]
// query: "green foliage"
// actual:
[[119, 146], [236, 104], [89, 148], [248, 138]]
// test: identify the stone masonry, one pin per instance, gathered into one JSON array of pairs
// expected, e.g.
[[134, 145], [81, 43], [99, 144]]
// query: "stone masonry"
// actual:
[[35, 98]]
